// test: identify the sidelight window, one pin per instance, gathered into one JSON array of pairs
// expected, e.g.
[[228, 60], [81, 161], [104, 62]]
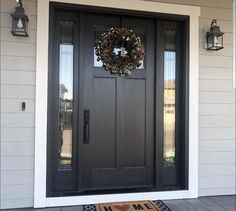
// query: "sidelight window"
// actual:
[[65, 95], [169, 97]]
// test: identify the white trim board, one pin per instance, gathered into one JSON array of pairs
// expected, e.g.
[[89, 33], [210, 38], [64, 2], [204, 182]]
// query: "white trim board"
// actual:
[[234, 44], [81, 200], [40, 199]]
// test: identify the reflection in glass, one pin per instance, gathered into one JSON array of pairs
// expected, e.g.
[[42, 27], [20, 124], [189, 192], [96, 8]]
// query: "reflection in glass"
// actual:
[[169, 98], [65, 96], [141, 32], [169, 107], [98, 30]]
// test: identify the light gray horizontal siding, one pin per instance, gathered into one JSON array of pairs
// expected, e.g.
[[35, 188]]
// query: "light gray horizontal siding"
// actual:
[[217, 145], [209, 170], [217, 121], [217, 13], [20, 148], [213, 85], [10, 203], [225, 25], [21, 162], [214, 73], [14, 105], [217, 109], [18, 77], [216, 157], [17, 191], [15, 177], [217, 133], [18, 49], [18, 63], [203, 3], [19, 134], [12, 120], [216, 61], [217, 191], [217, 97], [216, 105], [217, 182], [8, 6], [18, 91]]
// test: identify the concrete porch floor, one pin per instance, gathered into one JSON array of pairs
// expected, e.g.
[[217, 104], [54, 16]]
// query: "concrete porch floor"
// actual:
[[213, 203]]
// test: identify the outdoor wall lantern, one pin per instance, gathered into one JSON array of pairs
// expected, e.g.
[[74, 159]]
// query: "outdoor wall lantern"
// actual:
[[19, 21], [214, 37]]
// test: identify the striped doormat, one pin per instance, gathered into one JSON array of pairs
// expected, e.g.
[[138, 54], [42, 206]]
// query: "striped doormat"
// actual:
[[128, 206]]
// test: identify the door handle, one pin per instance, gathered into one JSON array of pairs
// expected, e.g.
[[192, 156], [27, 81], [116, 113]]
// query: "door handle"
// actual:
[[86, 126]]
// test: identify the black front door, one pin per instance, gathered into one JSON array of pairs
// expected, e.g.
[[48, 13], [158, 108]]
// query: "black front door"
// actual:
[[112, 133], [119, 149]]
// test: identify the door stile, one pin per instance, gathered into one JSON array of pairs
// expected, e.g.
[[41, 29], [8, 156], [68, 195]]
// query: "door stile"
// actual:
[[159, 104], [81, 108], [119, 126]]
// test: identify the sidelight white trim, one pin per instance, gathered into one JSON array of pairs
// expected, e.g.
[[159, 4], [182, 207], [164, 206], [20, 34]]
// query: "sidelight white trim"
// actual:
[[40, 199]]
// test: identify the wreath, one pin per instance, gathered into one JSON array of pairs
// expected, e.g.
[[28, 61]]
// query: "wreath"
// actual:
[[120, 51]]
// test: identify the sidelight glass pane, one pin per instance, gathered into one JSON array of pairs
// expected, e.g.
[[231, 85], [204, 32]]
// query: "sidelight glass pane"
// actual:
[[65, 96], [169, 98]]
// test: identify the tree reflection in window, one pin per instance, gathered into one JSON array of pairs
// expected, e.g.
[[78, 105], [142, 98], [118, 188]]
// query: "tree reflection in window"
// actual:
[[65, 96], [169, 98]]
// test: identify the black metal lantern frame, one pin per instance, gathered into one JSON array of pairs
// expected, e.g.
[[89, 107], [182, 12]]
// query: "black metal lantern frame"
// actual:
[[19, 21], [214, 37]]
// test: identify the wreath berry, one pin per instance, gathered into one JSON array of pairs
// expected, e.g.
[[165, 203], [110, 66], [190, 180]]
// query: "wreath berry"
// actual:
[[120, 51]]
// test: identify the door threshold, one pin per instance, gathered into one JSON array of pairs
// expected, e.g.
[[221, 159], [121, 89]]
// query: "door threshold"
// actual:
[[107, 198], [127, 190]]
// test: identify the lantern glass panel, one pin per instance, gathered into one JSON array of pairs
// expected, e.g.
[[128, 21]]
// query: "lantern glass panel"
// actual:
[[214, 42], [218, 41], [210, 42], [20, 26]]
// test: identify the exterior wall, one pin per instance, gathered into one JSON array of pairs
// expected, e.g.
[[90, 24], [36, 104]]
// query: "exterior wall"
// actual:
[[17, 127], [216, 106]]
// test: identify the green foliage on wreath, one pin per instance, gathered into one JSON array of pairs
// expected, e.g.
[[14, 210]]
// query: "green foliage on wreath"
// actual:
[[120, 51]]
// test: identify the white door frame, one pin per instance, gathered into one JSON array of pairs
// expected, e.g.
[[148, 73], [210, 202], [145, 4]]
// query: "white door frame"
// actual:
[[40, 199]]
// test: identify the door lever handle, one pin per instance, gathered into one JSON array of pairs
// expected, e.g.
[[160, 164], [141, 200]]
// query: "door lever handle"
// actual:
[[86, 126]]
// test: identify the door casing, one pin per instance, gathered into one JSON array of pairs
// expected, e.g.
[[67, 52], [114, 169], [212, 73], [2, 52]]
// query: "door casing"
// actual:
[[40, 161]]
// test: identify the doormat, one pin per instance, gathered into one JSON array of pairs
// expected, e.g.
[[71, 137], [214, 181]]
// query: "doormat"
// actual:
[[128, 206]]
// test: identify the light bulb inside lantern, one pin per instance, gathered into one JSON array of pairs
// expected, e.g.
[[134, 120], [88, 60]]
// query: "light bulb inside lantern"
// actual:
[[20, 24], [216, 42]]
